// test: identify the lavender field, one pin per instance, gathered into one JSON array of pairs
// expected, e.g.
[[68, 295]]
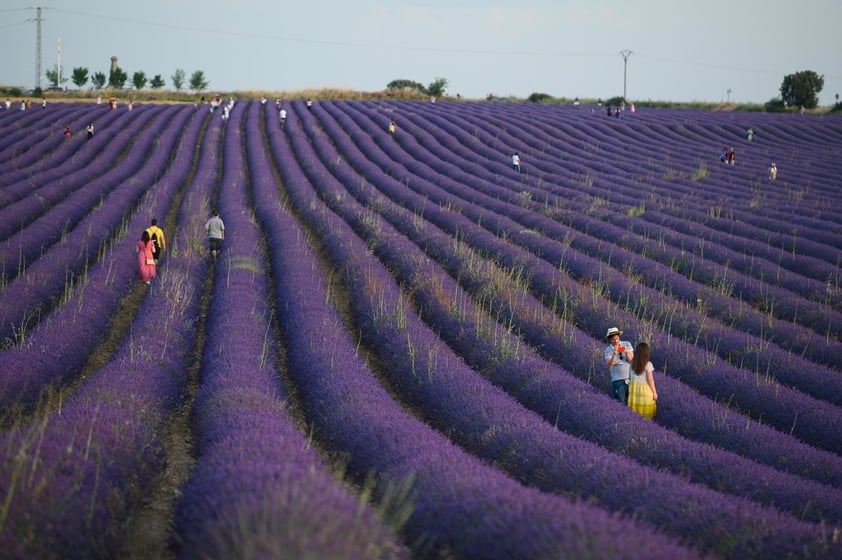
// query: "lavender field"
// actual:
[[398, 353]]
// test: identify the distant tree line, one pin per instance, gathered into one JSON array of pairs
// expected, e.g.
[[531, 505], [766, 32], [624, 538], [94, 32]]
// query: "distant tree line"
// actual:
[[117, 79], [436, 88]]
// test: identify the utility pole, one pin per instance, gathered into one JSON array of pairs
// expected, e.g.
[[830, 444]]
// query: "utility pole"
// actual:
[[625, 53], [38, 19], [58, 64]]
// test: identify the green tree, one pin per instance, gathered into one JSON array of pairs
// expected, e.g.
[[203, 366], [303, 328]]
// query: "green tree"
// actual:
[[406, 84], [139, 80], [80, 76], [198, 81], [53, 77], [178, 78], [117, 78], [98, 80], [802, 89], [437, 87], [157, 82], [775, 105], [539, 97]]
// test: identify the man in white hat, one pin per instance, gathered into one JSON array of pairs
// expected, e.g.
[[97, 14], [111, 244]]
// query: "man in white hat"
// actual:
[[618, 355]]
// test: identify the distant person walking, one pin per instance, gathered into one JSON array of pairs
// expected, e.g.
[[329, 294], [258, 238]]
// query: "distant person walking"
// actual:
[[516, 162], [392, 127], [283, 116], [145, 258], [156, 234], [773, 171], [749, 134], [618, 355], [642, 392], [216, 234], [67, 133], [90, 131]]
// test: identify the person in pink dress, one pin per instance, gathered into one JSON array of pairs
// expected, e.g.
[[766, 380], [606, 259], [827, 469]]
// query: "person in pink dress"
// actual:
[[146, 258]]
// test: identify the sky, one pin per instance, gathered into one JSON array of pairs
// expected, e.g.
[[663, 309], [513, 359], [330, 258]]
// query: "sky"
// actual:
[[660, 50]]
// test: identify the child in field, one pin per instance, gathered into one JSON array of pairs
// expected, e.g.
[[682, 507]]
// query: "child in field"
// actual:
[[642, 393]]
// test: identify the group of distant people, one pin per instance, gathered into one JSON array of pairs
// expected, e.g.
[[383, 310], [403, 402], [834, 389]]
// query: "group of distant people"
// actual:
[[729, 156], [153, 243]]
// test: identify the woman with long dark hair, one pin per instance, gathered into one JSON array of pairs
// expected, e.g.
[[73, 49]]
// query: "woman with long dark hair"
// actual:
[[642, 393], [146, 258]]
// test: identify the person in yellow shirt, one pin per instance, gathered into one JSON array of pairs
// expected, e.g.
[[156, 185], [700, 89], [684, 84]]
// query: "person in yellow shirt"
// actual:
[[156, 234]]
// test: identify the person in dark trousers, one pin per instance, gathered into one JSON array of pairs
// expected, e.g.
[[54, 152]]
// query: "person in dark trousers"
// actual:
[[156, 234], [618, 356], [216, 234]]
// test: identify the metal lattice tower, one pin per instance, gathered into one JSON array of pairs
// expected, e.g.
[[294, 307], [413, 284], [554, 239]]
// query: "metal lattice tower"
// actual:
[[38, 19]]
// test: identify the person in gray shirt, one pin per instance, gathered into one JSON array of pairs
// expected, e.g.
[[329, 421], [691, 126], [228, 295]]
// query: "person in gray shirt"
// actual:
[[618, 355], [216, 234]]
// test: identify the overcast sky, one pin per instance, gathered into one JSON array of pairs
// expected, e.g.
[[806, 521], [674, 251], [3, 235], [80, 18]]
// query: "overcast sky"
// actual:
[[680, 50]]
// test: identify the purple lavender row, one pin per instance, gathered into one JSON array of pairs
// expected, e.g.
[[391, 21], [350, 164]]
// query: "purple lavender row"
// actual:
[[63, 263], [775, 403], [769, 273], [634, 198], [688, 412], [54, 156], [752, 257], [784, 229], [58, 212], [730, 344], [814, 346], [736, 347], [489, 423], [110, 164], [96, 459], [44, 129], [680, 147], [51, 202], [22, 128], [537, 383], [68, 336], [460, 504], [258, 484]]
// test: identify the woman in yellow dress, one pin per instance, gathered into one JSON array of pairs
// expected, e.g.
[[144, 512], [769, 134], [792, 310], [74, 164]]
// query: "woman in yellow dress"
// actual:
[[642, 393]]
